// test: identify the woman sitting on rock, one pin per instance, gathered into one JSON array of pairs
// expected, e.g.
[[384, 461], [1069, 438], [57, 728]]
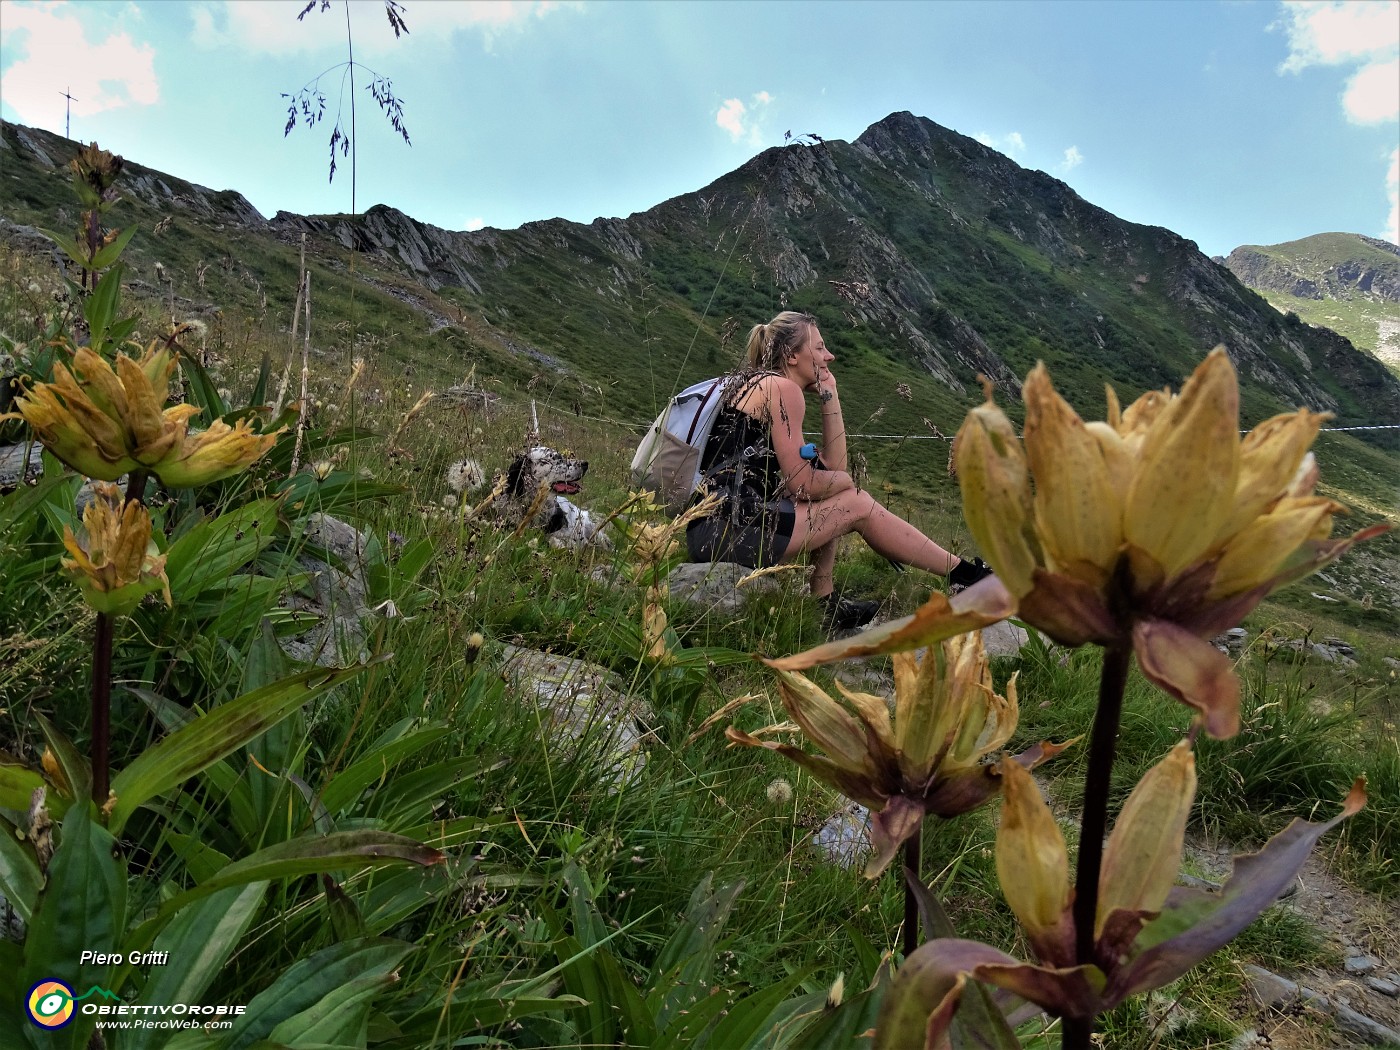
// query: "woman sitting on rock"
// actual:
[[783, 499]]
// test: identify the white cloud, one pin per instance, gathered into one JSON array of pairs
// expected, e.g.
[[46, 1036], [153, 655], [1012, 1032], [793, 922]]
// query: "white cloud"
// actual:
[[1012, 144], [57, 56], [271, 27], [1392, 189], [1373, 94], [741, 121], [476, 222], [1073, 158], [1364, 34]]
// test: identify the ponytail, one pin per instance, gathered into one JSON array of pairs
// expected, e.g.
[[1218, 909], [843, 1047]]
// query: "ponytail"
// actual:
[[769, 343]]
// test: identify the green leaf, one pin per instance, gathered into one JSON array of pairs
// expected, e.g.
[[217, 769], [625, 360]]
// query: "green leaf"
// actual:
[[409, 795], [215, 548], [750, 1021], [202, 860], [81, 908], [350, 783], [200, 941], [100, 308], [71, 248], [307, 855], [75, 768], [17, 784], [20, 878], [681, 973], [303, 1001], [203, 391], [107, 255], [175, 758]]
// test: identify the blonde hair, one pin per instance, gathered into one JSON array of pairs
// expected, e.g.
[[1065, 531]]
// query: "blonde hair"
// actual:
[[769, 343]]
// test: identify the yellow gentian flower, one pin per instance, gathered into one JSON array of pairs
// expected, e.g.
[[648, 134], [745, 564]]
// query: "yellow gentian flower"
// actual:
[[928, 758], [115, 562]]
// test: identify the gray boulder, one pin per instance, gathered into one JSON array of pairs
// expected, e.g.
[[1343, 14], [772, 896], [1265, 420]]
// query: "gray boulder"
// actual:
[[582, 704]]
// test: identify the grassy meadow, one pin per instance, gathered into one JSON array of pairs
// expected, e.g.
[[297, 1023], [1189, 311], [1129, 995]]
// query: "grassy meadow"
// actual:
[[687, 908]]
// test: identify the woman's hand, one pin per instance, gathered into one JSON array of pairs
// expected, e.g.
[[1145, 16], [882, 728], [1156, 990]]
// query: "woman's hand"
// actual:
[[825, 385]]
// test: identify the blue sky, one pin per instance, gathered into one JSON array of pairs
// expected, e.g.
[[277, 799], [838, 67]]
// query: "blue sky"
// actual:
[[1229, 122]]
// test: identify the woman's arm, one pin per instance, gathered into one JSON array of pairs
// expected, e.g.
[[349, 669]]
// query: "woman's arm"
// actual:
[[785, 406], [833, 425]]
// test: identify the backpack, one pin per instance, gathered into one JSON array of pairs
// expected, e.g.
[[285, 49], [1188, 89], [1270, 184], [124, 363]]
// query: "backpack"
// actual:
[[667, 462]]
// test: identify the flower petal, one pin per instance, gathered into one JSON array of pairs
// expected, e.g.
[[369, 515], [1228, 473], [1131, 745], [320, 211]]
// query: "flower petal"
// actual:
[[1078, 510], [1257, 551], [996, 493], [1143, 855], [1269, 458], [1191, 670], [890, 828], [854, 785], [1069, 610], [1033, 867], [938, 618], [1187, 469], [825, 722], [1188, 932]]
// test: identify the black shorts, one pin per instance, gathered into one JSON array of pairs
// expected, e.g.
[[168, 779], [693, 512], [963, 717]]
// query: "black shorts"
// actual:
[[757, 542]]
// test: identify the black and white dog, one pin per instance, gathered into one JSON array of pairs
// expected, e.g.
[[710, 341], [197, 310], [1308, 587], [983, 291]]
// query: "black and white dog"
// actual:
[[543, 478]]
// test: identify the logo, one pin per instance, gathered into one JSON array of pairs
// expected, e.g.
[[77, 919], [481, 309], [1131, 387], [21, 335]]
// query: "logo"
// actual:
[[50, 1004]]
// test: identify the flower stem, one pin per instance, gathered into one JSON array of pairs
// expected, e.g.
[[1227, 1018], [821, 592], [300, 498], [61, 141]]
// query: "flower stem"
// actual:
[[101, 706], [1093, 821], [913, 862]]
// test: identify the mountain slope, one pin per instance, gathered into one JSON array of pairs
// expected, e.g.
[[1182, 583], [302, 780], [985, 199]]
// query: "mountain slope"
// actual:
[[928, 257], [1343, 281]]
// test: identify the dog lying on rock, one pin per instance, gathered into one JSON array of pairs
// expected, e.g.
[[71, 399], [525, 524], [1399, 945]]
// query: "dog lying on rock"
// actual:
[[537, 485]]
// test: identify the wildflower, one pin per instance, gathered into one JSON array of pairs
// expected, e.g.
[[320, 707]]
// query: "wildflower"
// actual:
[[449, 501], [466, 475], [474, 643], [105, 422], [94, 173], [115, 563], [1151, 531], [1147, 931], [928, 758]]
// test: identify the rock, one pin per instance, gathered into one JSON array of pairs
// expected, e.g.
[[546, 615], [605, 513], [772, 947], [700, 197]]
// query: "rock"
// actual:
[[1387, 988], [715, 586], [845, 838], [20, 462], [1269, 989], [1371, 1032], [1004, 639], [583, 703], [336, 597], [1391, 662], [1360, 964]]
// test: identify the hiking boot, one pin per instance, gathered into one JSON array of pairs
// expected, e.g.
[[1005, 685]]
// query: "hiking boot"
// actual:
[[966, 573], [844, 614]]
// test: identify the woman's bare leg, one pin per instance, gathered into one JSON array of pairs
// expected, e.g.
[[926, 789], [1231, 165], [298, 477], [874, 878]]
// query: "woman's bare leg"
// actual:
[[819, 523], [823, 562]]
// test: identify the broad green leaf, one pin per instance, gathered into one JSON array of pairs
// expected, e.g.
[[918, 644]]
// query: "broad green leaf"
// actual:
[[215, 548], [347, 785], [308, 855], [17, 784], [204, 392], [682, 969], [75, 768], [107, 255], [301, 989], [175, 758], [200, 941], [20, 878], [82, 907], [750, 1021], [202, 860], [409, 795], [100, 308]]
